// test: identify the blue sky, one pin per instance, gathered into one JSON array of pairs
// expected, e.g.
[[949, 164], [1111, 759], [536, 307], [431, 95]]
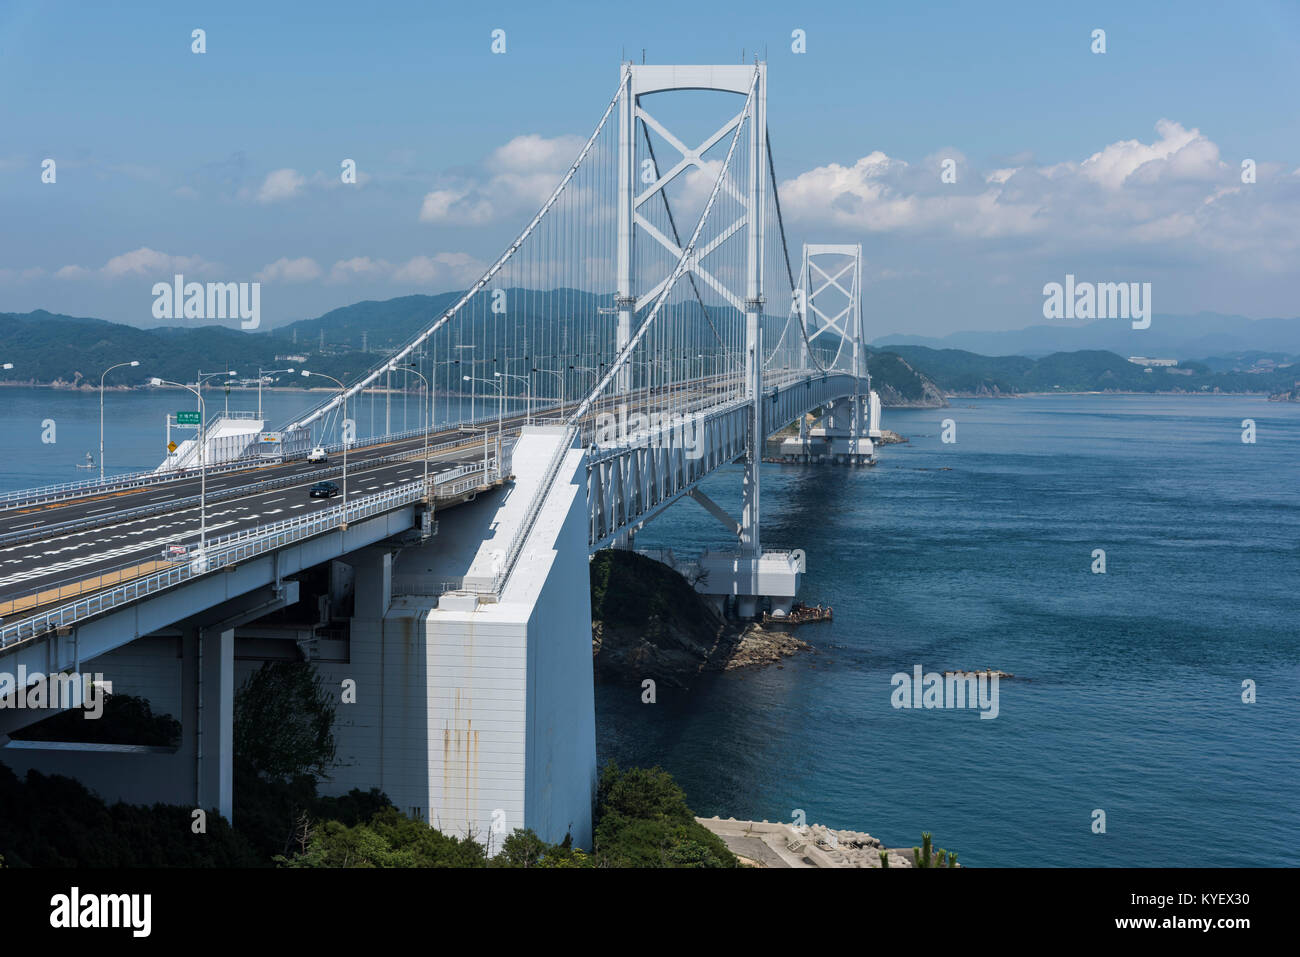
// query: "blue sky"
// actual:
[[1116, 167]]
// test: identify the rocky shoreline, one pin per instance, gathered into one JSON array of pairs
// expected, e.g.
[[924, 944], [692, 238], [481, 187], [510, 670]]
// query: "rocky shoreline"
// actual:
[[661, 629]]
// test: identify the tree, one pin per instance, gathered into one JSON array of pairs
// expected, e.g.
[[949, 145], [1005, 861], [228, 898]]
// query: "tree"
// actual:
[[284, 721], [642, 820]]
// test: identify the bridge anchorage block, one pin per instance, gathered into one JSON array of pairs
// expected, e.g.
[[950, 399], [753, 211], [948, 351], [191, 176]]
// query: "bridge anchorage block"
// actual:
[[840, 437]]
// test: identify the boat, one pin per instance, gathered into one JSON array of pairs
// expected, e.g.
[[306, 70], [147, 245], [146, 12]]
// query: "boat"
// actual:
[[90, 462]]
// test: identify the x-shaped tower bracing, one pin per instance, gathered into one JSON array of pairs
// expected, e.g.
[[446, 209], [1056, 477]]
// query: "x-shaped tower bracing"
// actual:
[[831, 307], [635, 292]]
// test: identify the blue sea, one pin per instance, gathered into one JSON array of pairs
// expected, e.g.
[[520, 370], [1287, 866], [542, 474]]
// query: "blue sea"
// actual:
[[135, 433], [978, 554]]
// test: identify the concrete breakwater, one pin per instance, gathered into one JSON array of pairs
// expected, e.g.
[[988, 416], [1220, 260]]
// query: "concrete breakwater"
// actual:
[[778, 844]]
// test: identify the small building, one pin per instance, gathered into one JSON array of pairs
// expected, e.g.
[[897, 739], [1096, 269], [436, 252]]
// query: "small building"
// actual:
[[1144, 361]]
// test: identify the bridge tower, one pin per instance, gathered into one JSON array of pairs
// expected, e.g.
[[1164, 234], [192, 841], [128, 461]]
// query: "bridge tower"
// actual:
[[636, 292], [829, 302], [745, 575]]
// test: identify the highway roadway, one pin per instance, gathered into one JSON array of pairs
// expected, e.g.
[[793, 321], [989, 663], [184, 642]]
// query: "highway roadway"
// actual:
[[62, 567], [43, 563]]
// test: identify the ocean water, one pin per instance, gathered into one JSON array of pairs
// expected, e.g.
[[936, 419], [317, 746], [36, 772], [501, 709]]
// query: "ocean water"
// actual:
[[969, 555], [135, 434], [978, 554]]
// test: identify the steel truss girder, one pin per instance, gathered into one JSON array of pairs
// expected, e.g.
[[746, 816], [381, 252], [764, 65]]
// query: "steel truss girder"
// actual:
[[630, 485]]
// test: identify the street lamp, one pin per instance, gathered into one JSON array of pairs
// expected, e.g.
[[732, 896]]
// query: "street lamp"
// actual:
[[203, 458], [343, 389], [471, 390], [133, 362], [500, 401], [560, 376], [406, 366], [528, 392], [260, 373]]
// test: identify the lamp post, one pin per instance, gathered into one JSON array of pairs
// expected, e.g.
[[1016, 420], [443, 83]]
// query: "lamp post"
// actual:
[[203, 458], [560, 376], [427, 420], [260, 373], [528, 392], [344, 391], [203, 377], [500, 401], [133, 362], [471, 390]]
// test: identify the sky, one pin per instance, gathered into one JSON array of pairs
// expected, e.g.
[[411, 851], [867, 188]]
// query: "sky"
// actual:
[[1122, 166]]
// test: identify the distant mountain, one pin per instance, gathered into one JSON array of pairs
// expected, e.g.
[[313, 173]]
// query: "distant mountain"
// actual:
[[1177, 337], [46, 348], [957, 371]]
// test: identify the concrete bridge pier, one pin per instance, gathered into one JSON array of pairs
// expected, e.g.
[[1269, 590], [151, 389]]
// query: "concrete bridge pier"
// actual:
[[475, 711], [187, 671], [842, 435]]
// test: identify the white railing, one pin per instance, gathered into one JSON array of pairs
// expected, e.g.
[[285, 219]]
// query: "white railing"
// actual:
[[230, 549]]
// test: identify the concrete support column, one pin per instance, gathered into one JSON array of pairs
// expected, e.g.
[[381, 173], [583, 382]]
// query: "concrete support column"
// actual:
[[373, 584], [210, 659]]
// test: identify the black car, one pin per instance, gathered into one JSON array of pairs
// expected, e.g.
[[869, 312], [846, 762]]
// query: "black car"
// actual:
[[324, 490]]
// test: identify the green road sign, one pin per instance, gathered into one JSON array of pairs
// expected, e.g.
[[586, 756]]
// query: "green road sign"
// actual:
[[187, 418]]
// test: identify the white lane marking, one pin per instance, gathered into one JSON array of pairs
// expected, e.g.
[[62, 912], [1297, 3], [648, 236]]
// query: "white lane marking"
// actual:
[[274, 500], [29, 524], [274, 511], [124, 550], [299, 505], [161, 497], [96, 511]]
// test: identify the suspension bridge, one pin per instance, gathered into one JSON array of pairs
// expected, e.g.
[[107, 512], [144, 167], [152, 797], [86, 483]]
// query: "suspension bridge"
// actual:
[[648, 327]]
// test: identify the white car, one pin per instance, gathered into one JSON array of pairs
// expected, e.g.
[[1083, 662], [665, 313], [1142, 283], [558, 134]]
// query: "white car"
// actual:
[[317, 455]]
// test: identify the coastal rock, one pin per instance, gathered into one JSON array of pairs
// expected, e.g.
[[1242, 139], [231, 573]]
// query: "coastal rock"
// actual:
[[658, 627], [986, 673]]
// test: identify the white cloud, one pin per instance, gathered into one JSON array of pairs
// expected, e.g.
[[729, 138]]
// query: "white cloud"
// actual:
[[532, 153], [280, 184], [521, 175], [359, 267], [447, 269], [1175, 191], [1179, 152], [149, 263], [284, 269], [464, 207], [143, 262]]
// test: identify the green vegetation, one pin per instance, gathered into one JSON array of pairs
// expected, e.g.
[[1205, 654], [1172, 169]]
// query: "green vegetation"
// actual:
[[53, 821], [642, 821], [924, 857], [629, 590], [283, 741], [126, 719], [45, 348], [283, 722]]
